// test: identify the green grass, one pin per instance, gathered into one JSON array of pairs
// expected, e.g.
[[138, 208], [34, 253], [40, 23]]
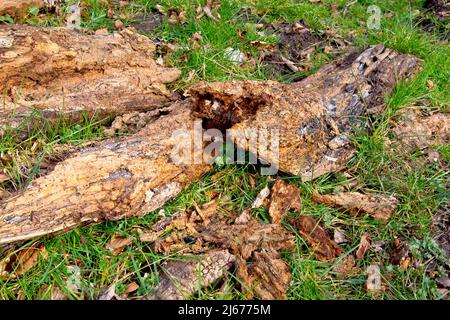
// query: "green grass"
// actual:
[[420, 187]]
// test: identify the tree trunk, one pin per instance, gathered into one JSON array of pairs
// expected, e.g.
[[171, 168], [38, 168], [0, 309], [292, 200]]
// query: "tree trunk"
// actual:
[[315, 118], [64, 72]]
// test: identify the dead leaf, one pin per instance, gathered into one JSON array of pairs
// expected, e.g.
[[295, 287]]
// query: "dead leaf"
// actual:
[[27, 258], [373, 282], [339, 237], [364, 246], [180, 279], [196, 40], [416, 131], [110, 13], [320, 243], [73, 282], [132, 287], [118, 243], [262, 195], [118, 24], [378, 206], [284, 197], [177, 17], [209, 10]]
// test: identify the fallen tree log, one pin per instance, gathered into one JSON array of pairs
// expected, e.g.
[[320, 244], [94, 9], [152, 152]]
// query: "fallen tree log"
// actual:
[[315, 117], [65, 72], [111, 181]]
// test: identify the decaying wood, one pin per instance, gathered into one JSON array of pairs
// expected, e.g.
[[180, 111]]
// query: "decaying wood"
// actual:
[[65, 72], [379, 206], [324, 248], [315, 117], [180, 279], [260, 270], [284, 197], [18, 8], [113, 180]]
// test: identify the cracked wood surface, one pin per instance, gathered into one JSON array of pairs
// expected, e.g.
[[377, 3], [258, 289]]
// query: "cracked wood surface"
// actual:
[[315, 117], [65, 72], [111, 181]]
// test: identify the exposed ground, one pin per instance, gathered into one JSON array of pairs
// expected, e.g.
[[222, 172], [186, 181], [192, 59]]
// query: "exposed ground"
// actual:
[[406, 155]]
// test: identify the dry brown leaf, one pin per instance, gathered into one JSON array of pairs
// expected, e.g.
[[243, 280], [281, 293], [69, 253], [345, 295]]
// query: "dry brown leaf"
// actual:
[[364, 246], [284, 197], [110, 13], [400, 254], [118, 24], [267, 276], [323, 247], [118, 243], [262, 195], [345, 266], [180, 279], [109, 293], [378, 206]]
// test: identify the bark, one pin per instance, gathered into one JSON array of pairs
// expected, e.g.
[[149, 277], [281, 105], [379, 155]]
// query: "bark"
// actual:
[[113, 180], [18, 8], [315, 117], [64, 72]]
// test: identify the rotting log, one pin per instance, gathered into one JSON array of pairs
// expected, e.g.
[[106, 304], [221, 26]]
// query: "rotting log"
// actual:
[[66, 72], [111, 181], [315, 117]]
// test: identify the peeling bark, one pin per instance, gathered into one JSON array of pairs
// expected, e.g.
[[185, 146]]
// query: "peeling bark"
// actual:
[[315, 117], [113, 180], [180, 279], [65, 72]]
